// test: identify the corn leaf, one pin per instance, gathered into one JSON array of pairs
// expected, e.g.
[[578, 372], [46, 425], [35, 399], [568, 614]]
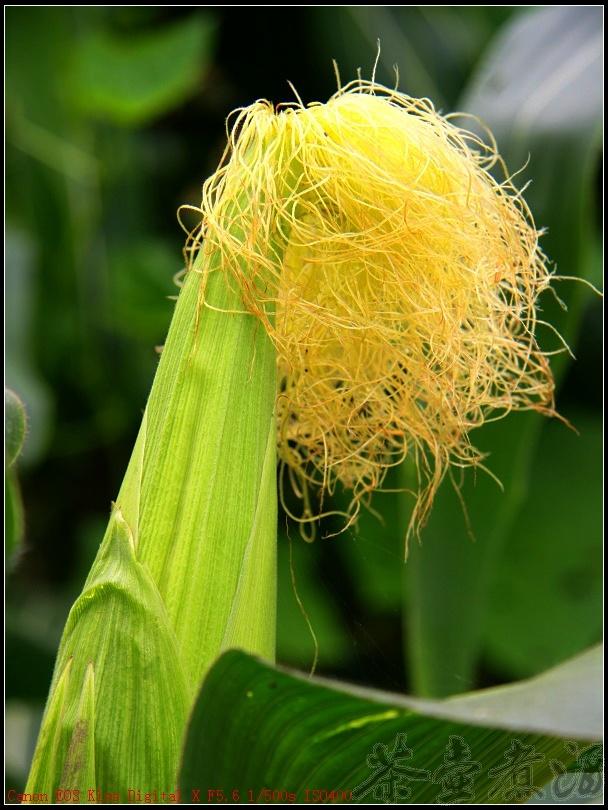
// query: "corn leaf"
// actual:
[[311, 740]]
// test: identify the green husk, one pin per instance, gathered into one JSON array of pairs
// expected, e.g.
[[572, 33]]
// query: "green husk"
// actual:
[[187, 567]]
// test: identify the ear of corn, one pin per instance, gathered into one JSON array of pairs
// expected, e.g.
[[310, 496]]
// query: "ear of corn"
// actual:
[[187, 565], [363, 250]]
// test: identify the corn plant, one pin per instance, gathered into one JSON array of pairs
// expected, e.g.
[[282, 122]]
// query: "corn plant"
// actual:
[[361, 294]]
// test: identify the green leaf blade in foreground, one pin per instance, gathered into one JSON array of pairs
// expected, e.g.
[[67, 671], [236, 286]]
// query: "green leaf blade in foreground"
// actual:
[[303, 735]]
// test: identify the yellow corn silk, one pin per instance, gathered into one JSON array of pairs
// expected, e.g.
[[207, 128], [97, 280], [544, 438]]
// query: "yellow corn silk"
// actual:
[[402, 293]]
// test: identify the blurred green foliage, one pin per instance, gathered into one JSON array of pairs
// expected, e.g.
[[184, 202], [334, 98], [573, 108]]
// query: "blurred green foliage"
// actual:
[[15, 426], [115, 116]]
